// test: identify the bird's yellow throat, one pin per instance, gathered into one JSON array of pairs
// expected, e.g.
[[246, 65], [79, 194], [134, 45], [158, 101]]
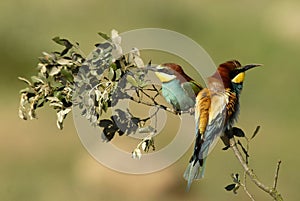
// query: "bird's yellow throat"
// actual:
[[239, 78], [164, 77]]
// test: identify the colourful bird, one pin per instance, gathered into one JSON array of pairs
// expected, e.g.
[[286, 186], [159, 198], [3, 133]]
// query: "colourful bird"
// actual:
[[216, 110], [178, 88]]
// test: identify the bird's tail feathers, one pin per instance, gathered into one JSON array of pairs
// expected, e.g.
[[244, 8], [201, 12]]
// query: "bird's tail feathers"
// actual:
[[194, 171]]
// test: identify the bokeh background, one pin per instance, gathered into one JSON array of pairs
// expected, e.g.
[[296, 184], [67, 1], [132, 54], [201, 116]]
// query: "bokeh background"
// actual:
[[39, 162]]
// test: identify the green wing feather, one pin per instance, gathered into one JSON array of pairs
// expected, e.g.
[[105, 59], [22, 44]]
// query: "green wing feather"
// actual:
[[192, 88]]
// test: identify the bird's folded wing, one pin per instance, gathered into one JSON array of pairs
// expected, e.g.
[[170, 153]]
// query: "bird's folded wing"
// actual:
[[202, 110], [192, 88], [212, 108]]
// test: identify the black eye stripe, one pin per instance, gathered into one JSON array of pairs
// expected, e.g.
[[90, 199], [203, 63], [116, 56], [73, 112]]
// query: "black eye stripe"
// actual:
[[233, 74], [167, 71]]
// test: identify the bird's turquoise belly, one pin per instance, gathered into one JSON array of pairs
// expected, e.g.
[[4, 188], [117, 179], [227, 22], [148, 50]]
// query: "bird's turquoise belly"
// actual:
[[176, 96]]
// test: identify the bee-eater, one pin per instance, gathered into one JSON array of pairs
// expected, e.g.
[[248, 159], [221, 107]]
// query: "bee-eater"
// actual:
[[178, 88], [216, 110]]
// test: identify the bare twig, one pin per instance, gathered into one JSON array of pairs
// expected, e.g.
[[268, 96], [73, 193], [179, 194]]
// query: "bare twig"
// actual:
[[245, 174], [246, 191], [271, 191], [153, 105], [151, 116], [153, 102], [276, 174], [244, 185]]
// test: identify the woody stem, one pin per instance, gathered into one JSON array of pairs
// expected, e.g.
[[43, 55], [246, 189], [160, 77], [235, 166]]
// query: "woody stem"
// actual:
[[271, 191]]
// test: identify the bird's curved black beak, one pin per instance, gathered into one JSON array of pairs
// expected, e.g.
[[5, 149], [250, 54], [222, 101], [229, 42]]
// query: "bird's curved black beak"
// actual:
[[152, 68], [249, 66]]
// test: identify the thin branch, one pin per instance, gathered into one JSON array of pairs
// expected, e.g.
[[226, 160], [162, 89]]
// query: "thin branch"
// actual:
[[153, 105], [154, 102], [151, 116], [150, 97], [271, 191], [245, 174], [247, 149], [162, 106], [244, 185], [276, 174]]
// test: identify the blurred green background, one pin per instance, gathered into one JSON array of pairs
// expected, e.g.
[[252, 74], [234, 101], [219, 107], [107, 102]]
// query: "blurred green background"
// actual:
[[39, 162]]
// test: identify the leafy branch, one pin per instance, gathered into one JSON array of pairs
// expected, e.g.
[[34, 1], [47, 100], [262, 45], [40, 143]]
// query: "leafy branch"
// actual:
[[272, 191], [53, 83], [94, 84]]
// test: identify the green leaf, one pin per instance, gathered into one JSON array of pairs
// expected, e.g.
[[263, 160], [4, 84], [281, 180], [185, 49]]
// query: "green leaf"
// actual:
[[142, 83], [64, 62], [22, 114], [36, 79], [63, 42], [111, 73], [54, 71], [238, 132], [40, 102], [235, 178], [27, 90], [67, 74], [56, 85], [255, 132], [105, 106], [53, 99], [113, 66], [61, 115], [118, 74], [132, 80], [104, 36], [105, 123], [58, 94], [56, 105], [230, 187], [24, 80], [110, 131], [32, 114]]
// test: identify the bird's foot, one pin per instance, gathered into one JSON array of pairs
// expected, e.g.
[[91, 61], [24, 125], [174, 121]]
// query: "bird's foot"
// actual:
[[178, 112], [192, 110]]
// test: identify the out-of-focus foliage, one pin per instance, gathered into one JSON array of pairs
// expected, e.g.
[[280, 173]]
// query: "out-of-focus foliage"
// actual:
[[53, 83], [94, 84]]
